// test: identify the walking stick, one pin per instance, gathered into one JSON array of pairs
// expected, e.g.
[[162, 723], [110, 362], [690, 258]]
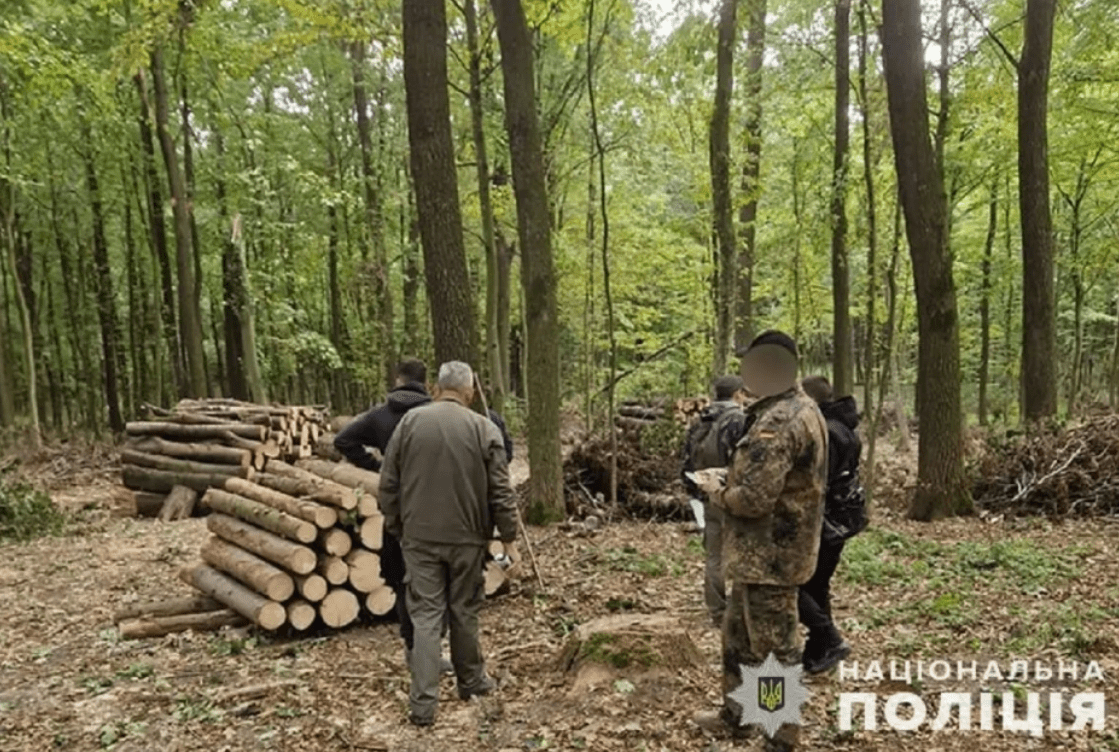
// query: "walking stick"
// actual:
[[516, 507]]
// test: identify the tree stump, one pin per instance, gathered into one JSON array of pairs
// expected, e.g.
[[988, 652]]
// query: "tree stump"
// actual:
[[608, 648], [179, 504]]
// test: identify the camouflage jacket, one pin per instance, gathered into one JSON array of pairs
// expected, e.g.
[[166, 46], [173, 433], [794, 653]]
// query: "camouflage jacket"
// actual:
[[774, 500]]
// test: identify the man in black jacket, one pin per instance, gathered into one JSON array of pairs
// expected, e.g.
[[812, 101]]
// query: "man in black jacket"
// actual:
[[825, 646], [374, 428]]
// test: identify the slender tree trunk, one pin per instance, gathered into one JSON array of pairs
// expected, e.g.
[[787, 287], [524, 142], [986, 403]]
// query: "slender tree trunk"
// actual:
[[188, 185], [434, 173], [840, 275], [719, 146], [871, 217], [941, 487], [590, 361], [190, 317], [751, 171], [1039, 320], [243, 302], [412, 278], [538, 281], [985, 302], [231, 276], [381, 292], [504, 300]]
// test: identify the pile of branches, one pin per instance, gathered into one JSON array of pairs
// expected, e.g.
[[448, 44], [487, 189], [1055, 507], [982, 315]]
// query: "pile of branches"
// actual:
[[1053, 471]]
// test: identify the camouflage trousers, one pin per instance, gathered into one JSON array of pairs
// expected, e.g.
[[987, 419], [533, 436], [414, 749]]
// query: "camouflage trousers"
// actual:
[[759, 620]]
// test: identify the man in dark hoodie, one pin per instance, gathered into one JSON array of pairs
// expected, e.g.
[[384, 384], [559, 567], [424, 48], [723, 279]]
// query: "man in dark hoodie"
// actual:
[[374, 428], [709, 443], [825, 646]]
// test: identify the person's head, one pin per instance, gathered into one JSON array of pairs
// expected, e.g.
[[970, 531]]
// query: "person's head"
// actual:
[[411, 371], [457, 378], [729, 388], [769, 364], [818, 388]]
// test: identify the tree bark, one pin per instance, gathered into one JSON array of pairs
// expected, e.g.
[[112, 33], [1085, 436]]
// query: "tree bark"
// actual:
[[320, 516], [719, 158], [196, 604], [179, 504], [232, 277], [869, 162], [538, 280], [1039, 320], [751, 172], [941, 486], [270, 581], [176, 465], [842, 369], [985, 302], [200, 431], [261, 515], [210, 453], [291, 556], [158, 626], [243, 304], [163, 481], [436, 182], [190, 317], [265, 613], [310, 485]]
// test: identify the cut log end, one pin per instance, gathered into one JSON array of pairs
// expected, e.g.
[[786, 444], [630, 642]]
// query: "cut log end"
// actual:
[[301, 615], [339, 608], [381, 601]]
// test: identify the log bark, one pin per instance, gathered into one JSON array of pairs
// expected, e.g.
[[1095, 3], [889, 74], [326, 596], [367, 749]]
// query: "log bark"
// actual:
[[179, 504], [291, 556], [185, 431], [334, 569], [365, 570], [372, 533], [157, 626], [343, 474], [211, 453], [381, 601], [339, 608], [301, 615], [336, 542], [261, 515], [318, 515], [174, 607], [162, 481], [265, 613], [312, 587], [250, 570], [175, 465], [323, 490]]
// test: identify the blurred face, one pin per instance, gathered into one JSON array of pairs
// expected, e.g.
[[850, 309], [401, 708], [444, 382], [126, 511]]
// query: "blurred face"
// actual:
[[768, 370]]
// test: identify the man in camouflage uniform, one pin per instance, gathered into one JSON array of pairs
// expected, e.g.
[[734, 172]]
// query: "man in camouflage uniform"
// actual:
[[773, 511]]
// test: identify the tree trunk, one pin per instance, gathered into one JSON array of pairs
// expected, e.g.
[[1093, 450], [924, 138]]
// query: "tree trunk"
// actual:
[[504, 292], [270, 581], [265, 613], [243, 303], [111, 356], [232, 277], [158, 626], [291, 556], [163, 481], [719, 158], [381, 292], [538, 281], [869, 163], [310, 485], [840, 274], [1039, 320], [212, 453], [435, 176], [751, 172], [190, 317], [941, 487], [261, 515], [985, 302], [196, 604], [201, 431], [320, 516]]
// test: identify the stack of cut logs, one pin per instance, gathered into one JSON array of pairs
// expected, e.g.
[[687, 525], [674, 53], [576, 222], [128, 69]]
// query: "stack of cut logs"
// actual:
[[634, 416], [292, 544]]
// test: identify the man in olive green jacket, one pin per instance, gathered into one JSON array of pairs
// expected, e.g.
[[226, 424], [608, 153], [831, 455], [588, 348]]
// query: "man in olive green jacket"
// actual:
[[444, 487]]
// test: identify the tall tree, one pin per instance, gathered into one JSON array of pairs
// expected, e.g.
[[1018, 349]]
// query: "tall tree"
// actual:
[[719, 157], [840, 275], [985, 301], [190, 315], [941, 489], [538, 279], [751, 172], [436, 181]]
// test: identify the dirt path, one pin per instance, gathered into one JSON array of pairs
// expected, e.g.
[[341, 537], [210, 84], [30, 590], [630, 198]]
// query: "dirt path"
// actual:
[[959, 590]]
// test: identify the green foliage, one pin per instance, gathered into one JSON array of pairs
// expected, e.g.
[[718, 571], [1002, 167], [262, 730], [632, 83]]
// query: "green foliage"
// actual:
[[25, 511], [629, 559], [230, 646]]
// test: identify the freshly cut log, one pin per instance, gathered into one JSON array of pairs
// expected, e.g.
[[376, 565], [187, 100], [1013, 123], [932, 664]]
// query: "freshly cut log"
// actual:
[[157, 626], [641, 413], [179, 504], [162, 481], [495, 548], [290, 556], [313, 587], [261, 515], [496, 581], [381, 601], [372, 533], [301, 615], [212, 453], [265, 613], [148, 504], [365, 570], [334, 569], [317, 514], [339, 608], [367, 505], [174, 607], [324, 448], [345, 474], [181, 431], [336, 542], [325, 490], [172, 464], [268, 580]]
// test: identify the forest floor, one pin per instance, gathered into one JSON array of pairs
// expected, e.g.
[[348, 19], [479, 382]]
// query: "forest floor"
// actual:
[[958, 590]]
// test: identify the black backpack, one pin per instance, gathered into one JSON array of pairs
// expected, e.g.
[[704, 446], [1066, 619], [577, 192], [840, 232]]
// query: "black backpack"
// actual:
[[844, 504], [710, 443]]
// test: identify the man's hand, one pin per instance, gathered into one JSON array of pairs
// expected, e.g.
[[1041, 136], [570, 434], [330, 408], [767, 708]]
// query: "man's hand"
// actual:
[[711, 481]]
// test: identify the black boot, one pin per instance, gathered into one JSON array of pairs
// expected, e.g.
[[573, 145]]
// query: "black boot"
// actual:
[[836, 651]]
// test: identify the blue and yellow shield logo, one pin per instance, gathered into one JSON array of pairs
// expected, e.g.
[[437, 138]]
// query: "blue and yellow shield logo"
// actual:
[[771, 693]]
